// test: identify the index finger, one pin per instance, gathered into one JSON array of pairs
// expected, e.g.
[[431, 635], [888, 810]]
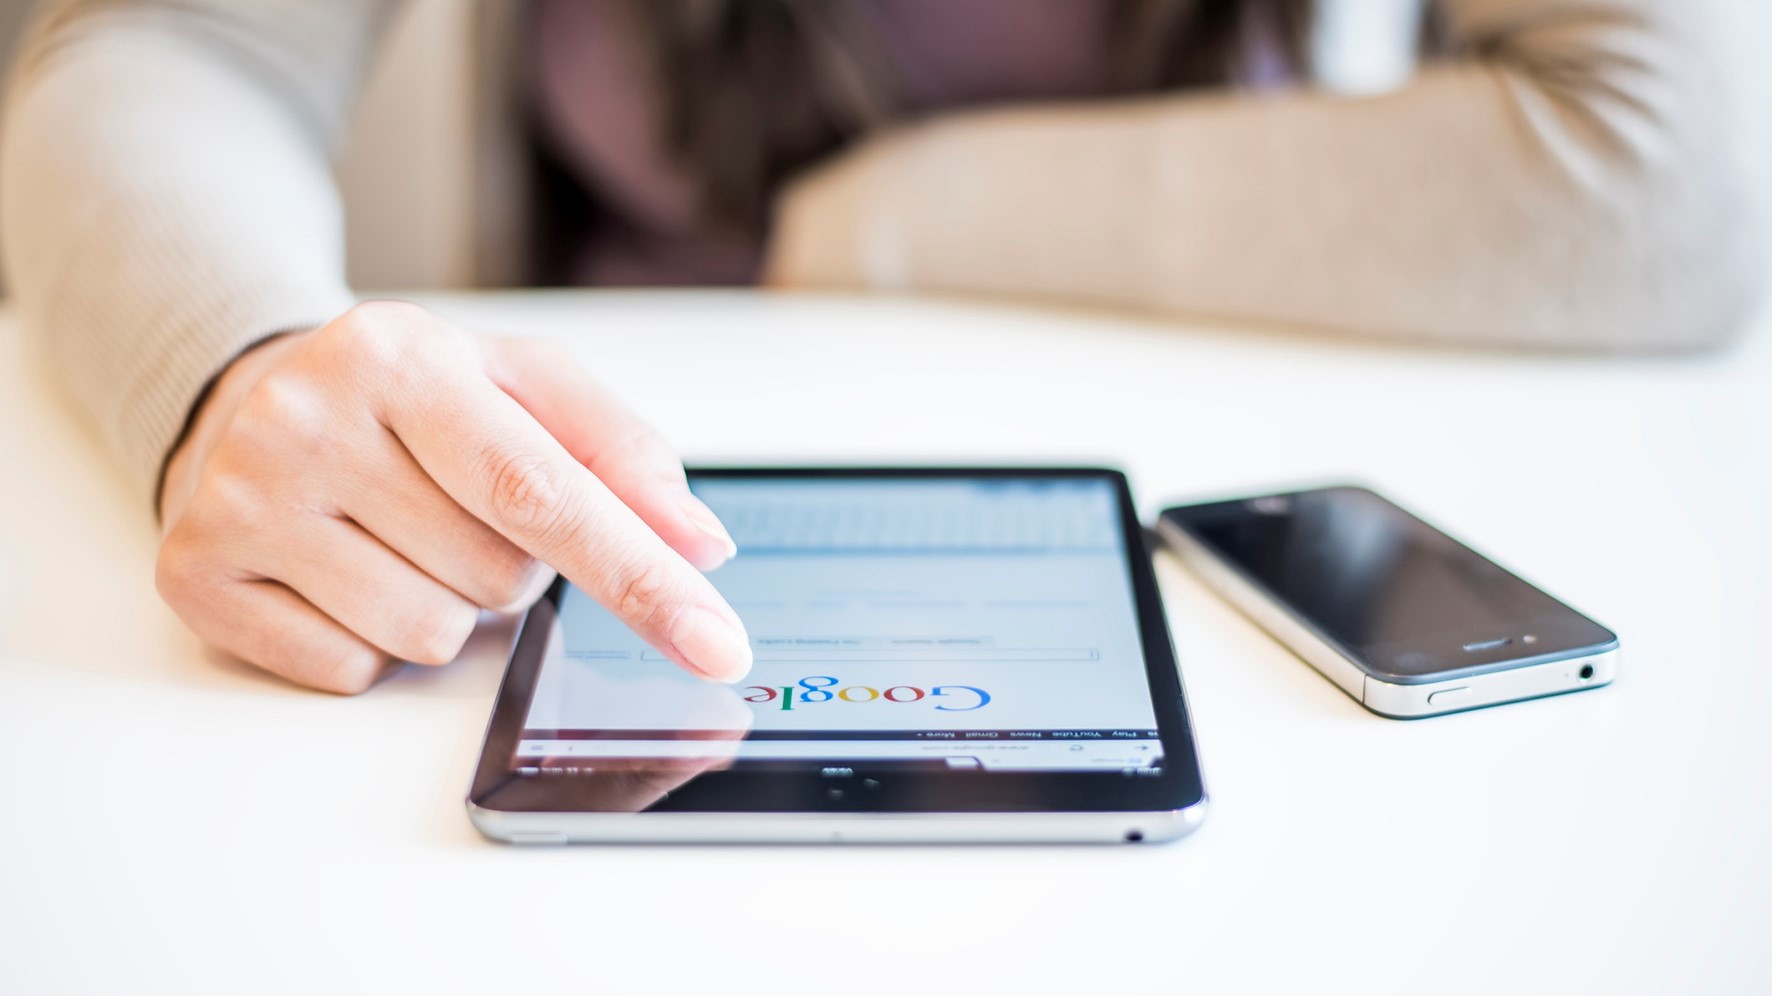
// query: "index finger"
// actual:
[[497, 461]]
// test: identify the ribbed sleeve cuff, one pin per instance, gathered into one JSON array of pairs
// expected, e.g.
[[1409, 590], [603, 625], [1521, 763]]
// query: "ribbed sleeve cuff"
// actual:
[[141, 390]]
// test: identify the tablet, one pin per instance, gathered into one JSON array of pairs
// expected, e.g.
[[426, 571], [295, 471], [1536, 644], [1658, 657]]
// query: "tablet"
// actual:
[[939, 655]]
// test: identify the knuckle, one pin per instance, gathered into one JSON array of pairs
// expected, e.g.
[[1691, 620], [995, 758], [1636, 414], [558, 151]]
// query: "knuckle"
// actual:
[[377, 333], [176, 568], [198, 558], [510, 583], [229, 502], [540, 352], [524, 492], [437, 636], [350, 671], [387, 311], [641, 446], [394, 335], [281, 411], [640, 592]]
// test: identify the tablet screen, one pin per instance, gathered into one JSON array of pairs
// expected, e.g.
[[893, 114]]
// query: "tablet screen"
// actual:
[[960, 623]]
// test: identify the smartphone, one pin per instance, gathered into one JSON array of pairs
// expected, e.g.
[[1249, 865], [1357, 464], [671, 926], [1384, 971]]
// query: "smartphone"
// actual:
[[1404, 618]]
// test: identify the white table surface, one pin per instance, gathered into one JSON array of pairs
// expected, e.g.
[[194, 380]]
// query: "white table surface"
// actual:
[[175, 822]]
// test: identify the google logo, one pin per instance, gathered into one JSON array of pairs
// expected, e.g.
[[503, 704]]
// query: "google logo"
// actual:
[[818, 688]]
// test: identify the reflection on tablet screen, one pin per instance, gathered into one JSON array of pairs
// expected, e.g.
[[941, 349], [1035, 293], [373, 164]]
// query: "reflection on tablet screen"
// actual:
[[970, 623]]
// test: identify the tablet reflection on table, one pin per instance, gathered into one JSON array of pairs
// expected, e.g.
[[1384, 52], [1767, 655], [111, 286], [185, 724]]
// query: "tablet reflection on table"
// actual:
[[710, 717], [633, 784]]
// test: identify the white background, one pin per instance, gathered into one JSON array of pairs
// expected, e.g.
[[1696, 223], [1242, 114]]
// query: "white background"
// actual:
[[173, 822]]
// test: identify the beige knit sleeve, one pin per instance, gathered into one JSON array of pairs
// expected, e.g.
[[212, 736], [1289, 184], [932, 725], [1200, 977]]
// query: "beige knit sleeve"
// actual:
[[1578, 174], [165, 193]]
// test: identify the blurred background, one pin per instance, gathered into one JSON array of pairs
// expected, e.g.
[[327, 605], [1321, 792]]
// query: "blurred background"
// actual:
[[408, 186], [408, 204], [408, 177]]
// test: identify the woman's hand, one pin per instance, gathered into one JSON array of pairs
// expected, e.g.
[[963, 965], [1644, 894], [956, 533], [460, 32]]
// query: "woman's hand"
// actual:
[[351, 497]]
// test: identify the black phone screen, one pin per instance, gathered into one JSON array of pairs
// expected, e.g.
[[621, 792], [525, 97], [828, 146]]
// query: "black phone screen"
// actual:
[[1398, 594]]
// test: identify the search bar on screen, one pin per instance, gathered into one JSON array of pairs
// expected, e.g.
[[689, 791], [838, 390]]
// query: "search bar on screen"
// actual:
[[786, 655]]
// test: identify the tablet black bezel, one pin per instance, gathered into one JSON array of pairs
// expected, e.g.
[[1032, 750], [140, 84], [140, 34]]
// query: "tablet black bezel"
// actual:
[[803, 787]]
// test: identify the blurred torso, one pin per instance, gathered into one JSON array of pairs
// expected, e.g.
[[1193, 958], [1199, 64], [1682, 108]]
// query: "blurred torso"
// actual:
[[598, 107]]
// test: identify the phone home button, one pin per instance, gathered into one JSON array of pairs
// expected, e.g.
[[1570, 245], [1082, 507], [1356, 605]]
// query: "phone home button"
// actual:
[[1449, 696]]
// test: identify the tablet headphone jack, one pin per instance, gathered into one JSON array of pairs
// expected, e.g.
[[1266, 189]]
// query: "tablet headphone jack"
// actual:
[[1586, 672], [1134, 836]]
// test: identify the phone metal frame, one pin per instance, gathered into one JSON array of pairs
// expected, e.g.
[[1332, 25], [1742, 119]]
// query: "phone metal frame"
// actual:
[[1532, 678]]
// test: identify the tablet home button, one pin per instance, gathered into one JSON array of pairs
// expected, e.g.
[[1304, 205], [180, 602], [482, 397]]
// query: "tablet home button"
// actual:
[[1449, 696]]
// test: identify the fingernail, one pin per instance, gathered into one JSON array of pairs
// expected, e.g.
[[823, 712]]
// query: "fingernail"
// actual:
[[711, 644], [709, 523]]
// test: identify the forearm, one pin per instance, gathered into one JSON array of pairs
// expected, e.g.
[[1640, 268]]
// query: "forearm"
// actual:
[[1569, 185], [167, 201]]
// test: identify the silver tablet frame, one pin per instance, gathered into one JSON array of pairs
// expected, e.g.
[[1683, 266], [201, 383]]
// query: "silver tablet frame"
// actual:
[[838, 828]]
